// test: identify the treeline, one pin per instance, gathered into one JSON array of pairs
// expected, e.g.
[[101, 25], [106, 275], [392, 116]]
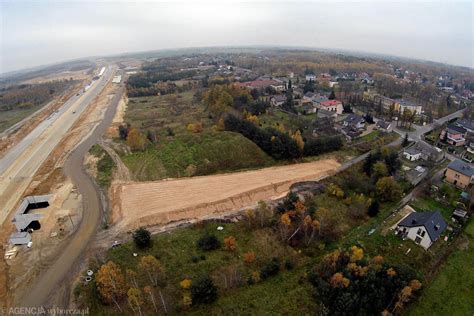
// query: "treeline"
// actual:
[[147, 79], [219, 99], [275, 143], [157, 89], [280, 145], [26, 96]]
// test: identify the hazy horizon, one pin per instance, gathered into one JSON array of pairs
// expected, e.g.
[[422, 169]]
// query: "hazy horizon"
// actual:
[[34, 34]]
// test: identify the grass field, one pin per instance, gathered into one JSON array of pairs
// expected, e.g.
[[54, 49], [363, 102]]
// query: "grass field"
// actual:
[[180, 152], [10, 118], [452, 290], [190, 154], [179, 254], [425, 203]]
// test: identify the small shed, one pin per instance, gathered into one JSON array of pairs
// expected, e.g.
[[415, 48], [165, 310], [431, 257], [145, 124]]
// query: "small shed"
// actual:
[[459, 215], [20, 238]]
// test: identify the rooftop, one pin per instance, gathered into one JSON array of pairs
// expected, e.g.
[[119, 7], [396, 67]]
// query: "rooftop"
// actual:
[[432, 221], [456, 128], [465, 124], [330, 103], [354, 119], [383, 124], [462, 167]]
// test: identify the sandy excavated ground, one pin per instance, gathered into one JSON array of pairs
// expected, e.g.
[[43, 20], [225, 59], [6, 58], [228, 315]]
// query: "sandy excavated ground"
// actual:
[[151, 203]]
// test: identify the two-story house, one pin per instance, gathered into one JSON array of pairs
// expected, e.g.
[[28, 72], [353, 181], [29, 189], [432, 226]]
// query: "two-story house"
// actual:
[[459, 173], [424, 228], [331, 105], [454, 135]]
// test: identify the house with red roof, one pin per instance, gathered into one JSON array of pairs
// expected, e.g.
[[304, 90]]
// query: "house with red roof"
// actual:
[[331, 105]]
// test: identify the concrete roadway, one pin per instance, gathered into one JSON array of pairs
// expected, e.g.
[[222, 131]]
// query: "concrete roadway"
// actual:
[[19, 165], [54, 282]]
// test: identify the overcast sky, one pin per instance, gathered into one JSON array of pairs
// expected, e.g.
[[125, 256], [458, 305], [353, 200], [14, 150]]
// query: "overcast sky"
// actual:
[[40, 32]]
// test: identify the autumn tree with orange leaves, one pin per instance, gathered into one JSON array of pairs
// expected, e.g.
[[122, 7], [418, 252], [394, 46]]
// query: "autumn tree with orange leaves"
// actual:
[[111, 283]]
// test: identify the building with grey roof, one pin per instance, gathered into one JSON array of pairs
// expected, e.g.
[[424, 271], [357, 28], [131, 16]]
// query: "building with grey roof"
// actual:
[[459, 173], [20, 238], [424, 228]]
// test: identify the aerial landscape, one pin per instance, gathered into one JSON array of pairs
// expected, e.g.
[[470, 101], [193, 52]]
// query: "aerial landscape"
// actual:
[[237, 158]]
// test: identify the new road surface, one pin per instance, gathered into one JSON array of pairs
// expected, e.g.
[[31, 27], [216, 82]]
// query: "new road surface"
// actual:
[[19, 165], [54, 282]]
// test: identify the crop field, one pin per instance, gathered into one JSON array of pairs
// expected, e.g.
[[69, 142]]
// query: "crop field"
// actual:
[[148, 203]]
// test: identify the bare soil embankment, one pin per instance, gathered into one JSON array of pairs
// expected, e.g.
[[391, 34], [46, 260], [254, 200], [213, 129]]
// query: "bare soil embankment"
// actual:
[[160, 202]]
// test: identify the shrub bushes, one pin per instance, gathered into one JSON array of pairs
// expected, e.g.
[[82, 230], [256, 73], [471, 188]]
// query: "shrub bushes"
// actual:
[[142, 238], [208, 242], [270, 269], [203, 291]]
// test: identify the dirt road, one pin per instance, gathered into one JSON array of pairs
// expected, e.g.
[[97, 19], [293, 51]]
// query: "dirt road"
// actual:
[[55, 280], [160, 202]]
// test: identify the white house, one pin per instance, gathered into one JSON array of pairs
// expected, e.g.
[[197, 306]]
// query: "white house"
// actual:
[[331, 105], [412, 153], [424, 228], [311, 77]]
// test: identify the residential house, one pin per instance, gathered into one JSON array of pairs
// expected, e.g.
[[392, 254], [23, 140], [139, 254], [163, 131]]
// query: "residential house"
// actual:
[[383, 126], [459, 173], [424, 228], [415, 175], [308, 97], [355, 121], [277, 100], [279, 86], [351, 132], [314, 98], [470, 147], [331, 105], [454, 135], [298, 93], [326, 113], [308, 108], [412, 153], [310, 77], [367, 80], [467, 125], [318, 98], [429, 153]]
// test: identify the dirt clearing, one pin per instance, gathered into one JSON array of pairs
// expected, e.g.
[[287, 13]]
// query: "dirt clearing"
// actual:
[[161, 202]]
